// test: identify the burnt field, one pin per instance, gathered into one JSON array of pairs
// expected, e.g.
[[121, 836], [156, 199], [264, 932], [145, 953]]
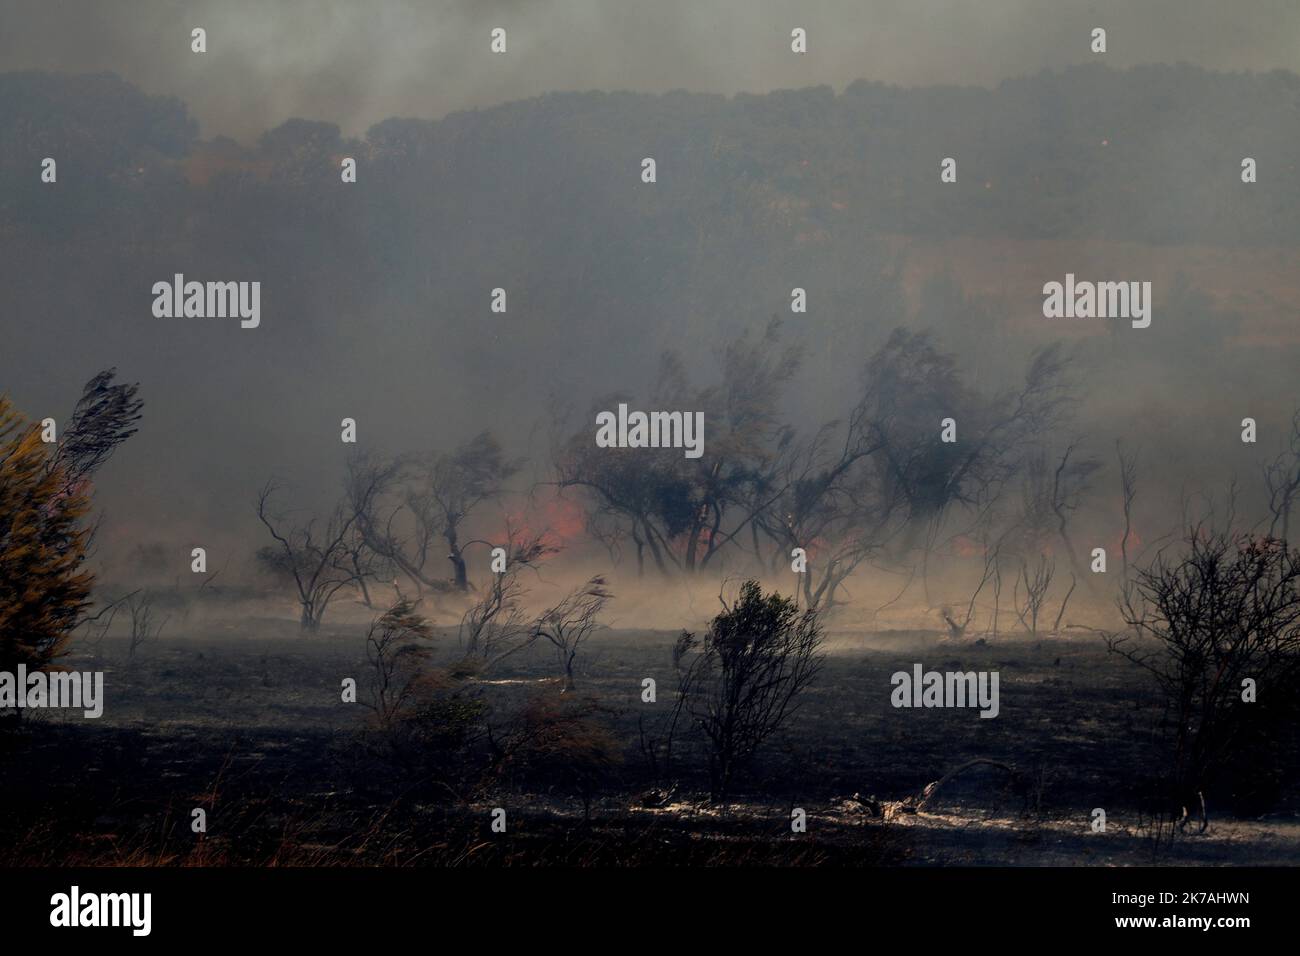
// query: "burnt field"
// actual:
[[246, 722]]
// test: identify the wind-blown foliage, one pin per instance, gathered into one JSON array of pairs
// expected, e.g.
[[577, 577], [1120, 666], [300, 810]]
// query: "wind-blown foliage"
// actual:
[[742, 679], [44, 501]]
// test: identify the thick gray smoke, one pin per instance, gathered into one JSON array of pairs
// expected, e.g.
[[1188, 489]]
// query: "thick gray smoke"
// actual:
[[776, 170]]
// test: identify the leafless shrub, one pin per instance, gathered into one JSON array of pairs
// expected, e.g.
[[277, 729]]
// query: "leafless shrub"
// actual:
[[313, 556], [991, 572], [1200, 625], [140, 604], [97, 625], [1035, 586], [1128, 489], [570, 622], [495, 626], [1282, 479], [1065, 602], [406, 505]]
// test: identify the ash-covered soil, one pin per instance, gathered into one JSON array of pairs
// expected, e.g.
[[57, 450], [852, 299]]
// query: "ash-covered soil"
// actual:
[[246, 722]]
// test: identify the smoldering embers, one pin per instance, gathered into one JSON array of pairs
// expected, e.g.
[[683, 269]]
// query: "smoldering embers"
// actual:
[[952, 689], [651, 430], [59, 689]]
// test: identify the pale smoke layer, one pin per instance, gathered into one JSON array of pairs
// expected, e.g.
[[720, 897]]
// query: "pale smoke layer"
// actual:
[[355, 63]]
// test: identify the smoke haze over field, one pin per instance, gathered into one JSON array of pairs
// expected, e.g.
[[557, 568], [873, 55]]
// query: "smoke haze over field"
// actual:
[[446, 433], [808, 171], [355, 64]]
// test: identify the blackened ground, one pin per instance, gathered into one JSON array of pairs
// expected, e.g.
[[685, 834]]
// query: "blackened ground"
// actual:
[[247, 723]]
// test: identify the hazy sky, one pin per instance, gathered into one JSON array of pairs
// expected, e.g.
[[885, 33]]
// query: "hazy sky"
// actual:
[[355, 62]]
